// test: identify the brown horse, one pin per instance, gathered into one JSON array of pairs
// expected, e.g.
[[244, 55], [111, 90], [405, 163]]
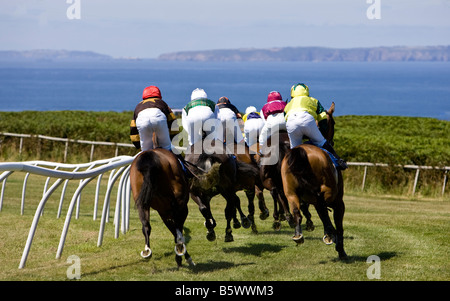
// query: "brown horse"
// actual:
[[159, 182], [271, 175], [309, 175]]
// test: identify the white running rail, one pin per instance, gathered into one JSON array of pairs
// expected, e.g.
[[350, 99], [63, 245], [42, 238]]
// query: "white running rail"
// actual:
[[119, 167]]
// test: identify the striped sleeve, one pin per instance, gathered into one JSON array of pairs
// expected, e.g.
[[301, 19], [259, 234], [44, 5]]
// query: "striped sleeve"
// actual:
[[134, 134]]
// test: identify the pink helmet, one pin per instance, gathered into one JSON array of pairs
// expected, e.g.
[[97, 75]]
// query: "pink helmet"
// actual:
[[274, 95]]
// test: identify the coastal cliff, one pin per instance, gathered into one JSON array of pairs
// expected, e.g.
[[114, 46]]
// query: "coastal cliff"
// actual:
[[315, 54]]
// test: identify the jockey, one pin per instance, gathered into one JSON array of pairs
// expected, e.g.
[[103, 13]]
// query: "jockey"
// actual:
[[196, 114], [273, 115], [302, 112], [152, 116], [253, 124], [228, 115]]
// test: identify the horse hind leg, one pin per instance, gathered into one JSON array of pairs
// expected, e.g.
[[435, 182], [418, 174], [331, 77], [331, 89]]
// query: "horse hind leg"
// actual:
[[245, 221], [146, 230], [180, 246], [230, 211], [276, 225], [338, 214], [304, 207], [329, 231], [264, 211], [180, 249], [251, 210], [298, 235]]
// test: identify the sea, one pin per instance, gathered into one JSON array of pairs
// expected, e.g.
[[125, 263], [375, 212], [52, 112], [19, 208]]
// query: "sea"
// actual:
[[415, 89]]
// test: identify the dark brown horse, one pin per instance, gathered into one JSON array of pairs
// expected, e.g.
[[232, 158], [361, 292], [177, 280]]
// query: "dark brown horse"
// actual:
[[242, 153], [224, 175], [159, 182], [309, 175]]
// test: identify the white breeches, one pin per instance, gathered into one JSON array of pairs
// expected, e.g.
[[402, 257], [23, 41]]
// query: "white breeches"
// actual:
[[151, 121], [252, 130], [200, 119], [303, 124], [273, 124]]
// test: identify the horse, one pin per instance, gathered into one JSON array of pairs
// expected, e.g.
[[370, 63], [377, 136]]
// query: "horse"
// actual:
[[309, 175], [159, 182], [222, 174], [242, 153], [271, 177]]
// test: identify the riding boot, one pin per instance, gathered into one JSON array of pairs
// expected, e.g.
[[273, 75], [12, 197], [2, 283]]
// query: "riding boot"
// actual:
[[342, 165]]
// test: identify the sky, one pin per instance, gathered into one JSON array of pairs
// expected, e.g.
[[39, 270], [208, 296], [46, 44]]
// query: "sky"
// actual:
[[148, 28]]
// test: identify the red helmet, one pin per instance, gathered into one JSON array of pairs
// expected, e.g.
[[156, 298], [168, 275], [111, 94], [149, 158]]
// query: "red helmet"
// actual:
[[151, 91], [274, 95]]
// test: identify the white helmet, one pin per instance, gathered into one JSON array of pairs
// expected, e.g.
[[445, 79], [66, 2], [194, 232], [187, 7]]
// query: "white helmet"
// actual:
[[198, 93], [250, 109]]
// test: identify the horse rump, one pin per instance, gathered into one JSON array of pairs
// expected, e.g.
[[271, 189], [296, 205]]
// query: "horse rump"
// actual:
[[299, 166], [149, 166]]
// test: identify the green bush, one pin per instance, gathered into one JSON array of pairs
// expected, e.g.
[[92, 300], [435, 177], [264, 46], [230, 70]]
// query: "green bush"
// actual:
[[377, 139]]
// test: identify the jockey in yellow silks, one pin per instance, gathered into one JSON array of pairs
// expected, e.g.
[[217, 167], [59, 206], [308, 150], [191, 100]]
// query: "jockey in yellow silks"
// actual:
[[301, 114]]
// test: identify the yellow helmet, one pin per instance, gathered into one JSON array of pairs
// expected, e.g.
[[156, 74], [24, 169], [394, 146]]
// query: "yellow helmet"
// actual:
[[299, 90]]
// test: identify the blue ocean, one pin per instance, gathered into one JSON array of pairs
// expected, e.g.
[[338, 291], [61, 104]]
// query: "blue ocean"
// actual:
[[417, 89]]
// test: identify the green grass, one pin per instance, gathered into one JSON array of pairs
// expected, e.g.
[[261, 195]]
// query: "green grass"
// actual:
[[407, 234]]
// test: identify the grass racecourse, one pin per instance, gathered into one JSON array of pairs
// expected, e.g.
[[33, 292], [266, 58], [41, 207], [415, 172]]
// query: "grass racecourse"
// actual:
[[405, 231], [407, 235]]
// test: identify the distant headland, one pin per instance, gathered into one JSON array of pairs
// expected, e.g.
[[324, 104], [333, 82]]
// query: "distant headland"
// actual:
[[306, 54], [315, 54]]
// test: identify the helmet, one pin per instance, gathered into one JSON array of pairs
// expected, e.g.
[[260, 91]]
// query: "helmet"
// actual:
[[198, 93], [299, 90], [274, 95], [223, 99], [151, 91], [250, 109]]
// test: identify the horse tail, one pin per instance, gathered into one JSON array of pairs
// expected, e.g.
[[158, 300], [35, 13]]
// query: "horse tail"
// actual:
[[299, 166], [149, 166]]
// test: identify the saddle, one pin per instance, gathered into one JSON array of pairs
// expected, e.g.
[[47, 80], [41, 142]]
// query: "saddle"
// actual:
[[332, 157]]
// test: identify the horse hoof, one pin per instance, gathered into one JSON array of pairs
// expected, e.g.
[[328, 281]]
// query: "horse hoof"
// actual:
[[327, 239], [254, 229], [264, 215], [236, 224], [147, 253], [299, 239], [310, 226], [343, 255], [246, 223], [180, 249], [211, 235], [229, 237], [276, 225]]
